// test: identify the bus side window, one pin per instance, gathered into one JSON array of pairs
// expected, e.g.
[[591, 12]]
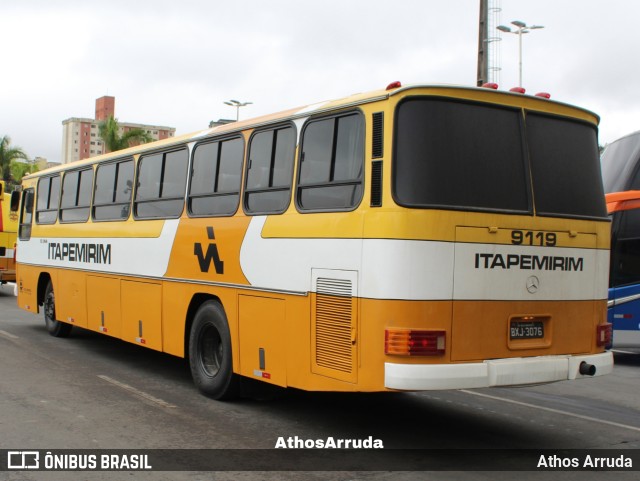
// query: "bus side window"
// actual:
[[269, 171], [26, 216], [48, 199], [331, 164], [162, 178], [76, 195], [112, 196], [216, 178]]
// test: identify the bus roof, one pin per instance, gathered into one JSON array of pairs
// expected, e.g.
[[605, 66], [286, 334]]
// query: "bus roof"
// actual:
[[632, 134], [466, 92]]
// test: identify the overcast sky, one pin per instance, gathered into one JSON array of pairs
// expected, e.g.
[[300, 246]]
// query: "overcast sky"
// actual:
[[174, 62]]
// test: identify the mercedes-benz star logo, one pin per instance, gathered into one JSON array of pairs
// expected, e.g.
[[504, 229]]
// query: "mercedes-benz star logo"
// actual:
[[532, 284]]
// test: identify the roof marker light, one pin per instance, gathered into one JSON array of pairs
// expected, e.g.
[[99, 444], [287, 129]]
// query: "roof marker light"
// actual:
[[490, 85], [517, 90], [394, 85], [544, 95]]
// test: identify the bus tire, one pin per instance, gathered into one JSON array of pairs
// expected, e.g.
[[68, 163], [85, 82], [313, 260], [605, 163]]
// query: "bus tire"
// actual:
[[210, 356], [56, 328]]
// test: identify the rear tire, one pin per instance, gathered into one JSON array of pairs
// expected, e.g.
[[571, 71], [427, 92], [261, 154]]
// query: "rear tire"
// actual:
[[56, 328], [210, 356]]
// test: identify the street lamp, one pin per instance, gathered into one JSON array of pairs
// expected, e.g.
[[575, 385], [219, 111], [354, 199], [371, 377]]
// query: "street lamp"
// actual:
[[237, 104], [522, 28]]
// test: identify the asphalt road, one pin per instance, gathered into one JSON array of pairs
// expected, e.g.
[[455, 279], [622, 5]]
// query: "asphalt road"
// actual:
[[91, 392]]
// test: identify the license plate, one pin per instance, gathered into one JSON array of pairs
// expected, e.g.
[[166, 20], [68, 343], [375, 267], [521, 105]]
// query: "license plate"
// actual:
[[526, 330]]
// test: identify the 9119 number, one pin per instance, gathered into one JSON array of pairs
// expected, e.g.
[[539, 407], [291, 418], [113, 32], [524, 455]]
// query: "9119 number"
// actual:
[[545, 239]]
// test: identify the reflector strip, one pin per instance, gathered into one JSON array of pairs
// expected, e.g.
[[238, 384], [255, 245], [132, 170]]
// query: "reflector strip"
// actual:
[[604, 334]]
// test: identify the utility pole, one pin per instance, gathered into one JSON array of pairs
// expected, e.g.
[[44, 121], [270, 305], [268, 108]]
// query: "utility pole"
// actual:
[[483, 44]]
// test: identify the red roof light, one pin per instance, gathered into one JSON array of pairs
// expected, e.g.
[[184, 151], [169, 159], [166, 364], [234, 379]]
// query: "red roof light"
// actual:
[[394, 85]]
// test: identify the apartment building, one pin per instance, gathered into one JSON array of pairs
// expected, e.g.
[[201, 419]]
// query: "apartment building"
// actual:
[[81, 136]]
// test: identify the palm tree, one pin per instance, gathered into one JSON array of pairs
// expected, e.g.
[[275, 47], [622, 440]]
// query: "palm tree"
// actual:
[[7, 156], [110, 133]]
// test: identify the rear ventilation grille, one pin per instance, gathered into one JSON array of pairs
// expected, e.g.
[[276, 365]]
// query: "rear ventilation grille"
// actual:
[[377, 146], [334, 307]]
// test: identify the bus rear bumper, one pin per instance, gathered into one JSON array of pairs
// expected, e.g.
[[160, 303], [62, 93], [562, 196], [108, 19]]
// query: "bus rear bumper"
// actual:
[[492, 373]]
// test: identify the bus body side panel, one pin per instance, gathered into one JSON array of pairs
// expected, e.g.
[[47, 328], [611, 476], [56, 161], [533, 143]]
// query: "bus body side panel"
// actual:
[[104, 305], [624, 314], [142, 315], [28, 285], [71, 297], [265, 328]]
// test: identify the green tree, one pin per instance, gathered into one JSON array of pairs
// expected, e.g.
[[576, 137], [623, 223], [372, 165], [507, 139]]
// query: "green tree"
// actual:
[[7, 155], [20, 169], [113, 140]]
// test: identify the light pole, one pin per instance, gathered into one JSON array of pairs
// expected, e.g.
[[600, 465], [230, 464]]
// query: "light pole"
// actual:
[[237, 104], [522, 28]]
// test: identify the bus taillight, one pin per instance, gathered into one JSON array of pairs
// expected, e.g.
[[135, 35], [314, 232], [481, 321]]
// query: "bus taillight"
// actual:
[[604, 334], [411, 342]]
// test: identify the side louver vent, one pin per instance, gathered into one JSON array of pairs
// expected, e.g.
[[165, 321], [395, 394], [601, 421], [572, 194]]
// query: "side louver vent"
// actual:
[[333, 324], [377, 146], [376, 183]]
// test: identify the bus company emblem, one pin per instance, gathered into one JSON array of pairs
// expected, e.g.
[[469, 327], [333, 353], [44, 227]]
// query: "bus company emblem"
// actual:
[[533, 283], [205, 259]]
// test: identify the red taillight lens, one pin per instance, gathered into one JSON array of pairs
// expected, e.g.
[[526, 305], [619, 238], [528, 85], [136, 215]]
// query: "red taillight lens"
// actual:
[[411, 342], [604, 334]]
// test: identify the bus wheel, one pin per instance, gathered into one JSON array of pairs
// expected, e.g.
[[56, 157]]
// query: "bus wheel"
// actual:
[[55, 327], [210, 353]]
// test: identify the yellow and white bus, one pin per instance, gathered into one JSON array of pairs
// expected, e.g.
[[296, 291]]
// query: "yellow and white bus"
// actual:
[[8, 232], [413, 238]]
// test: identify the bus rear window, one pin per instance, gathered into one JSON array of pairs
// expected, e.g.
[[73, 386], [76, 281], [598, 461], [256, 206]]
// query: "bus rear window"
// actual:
[[471, 156], [565, 167], [453, 154]]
